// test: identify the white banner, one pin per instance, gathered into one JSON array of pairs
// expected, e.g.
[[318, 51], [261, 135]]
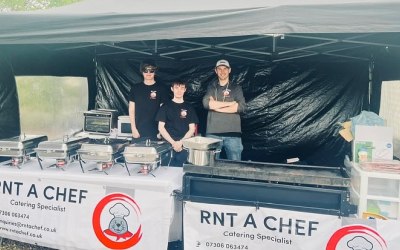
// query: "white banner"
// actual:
[[209, 226], [78, 215]]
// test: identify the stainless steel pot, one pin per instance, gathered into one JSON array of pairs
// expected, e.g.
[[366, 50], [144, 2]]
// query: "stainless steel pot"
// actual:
[[201, 157]]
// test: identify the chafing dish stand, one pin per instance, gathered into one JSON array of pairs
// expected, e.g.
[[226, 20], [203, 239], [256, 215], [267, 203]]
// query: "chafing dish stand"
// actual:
[[305, 188], [64, 151], [20, 148], [105, 152]]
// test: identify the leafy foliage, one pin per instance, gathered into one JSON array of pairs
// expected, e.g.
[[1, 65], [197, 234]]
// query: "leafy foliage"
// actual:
[[29, 5]]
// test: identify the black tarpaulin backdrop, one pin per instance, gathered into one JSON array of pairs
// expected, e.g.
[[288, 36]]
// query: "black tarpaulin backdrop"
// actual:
[[293, 110], [9, 111]]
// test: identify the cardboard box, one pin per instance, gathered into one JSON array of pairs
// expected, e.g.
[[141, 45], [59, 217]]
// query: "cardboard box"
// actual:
[[372, 143]]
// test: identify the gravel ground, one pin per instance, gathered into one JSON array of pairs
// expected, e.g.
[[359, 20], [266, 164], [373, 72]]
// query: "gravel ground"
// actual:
[[7, 244]]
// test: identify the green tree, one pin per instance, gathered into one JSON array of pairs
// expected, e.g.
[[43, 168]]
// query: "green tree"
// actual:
[[24, 5]]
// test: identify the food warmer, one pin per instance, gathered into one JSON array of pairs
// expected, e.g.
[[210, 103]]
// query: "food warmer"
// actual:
[[20, 148], [315, 189], [63, 151], [149, 154], [105, 152]]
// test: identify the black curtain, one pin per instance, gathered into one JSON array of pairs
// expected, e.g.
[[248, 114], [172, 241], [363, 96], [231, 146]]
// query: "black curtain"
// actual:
[[293, 109], [9, 107]]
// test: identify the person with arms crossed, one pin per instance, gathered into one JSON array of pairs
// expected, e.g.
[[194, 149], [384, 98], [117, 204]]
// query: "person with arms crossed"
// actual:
[[145, 99], [177, 120], [225, 102]]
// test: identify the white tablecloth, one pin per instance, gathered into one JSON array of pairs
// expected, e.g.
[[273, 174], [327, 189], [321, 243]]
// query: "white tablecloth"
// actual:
[[161, 183]]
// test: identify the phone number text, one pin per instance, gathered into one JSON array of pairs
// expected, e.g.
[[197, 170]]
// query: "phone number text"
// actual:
[[14, 214], [225, 245]]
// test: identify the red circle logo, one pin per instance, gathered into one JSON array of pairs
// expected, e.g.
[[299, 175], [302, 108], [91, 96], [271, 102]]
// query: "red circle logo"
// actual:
[[183, 113], [356, 237], [114, 219]]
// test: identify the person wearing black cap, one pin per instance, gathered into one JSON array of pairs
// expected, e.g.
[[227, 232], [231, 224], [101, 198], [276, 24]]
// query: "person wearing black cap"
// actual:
[[225, 102], [177, 120], [145, 99]]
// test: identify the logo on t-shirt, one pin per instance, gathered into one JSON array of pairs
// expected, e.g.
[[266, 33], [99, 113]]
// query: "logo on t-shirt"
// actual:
[[183, 113], [226, 92], [153, 94]]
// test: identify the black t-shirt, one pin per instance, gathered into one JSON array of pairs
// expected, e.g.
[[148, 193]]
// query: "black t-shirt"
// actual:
[[177, 117], [147, 99]]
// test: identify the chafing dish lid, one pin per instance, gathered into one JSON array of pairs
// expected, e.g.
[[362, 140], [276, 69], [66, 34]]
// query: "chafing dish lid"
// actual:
[[21, 142], [152, 147], [61, 144], [109, 145]]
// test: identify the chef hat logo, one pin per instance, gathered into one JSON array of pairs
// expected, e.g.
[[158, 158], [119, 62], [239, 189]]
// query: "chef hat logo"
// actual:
[[119, 210], [360, 243], [118, 226]]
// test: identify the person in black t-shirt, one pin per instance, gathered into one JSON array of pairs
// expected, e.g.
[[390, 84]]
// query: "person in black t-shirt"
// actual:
[[145, 99], [176, 121]]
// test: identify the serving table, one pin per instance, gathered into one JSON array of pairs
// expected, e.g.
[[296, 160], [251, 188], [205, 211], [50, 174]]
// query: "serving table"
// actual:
[[69, 209]]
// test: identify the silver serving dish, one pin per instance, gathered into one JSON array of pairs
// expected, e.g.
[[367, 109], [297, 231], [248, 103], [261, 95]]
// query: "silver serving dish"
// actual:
[[63, 150], [146, 153], [201, 143], [104, 152], [20, 148], [99, 152]]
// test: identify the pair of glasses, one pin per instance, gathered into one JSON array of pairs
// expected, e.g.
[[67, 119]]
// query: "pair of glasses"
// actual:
[[149, 71]]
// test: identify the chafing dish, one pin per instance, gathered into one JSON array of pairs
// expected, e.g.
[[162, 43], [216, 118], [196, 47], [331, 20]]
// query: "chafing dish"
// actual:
[[64, 151], [20, 148], [105, 152], [146, 152], [150, 154]]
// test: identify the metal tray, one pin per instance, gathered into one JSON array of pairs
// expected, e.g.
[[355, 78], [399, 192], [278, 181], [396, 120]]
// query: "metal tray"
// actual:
[[146, 153], [275, 172], [20, 146], [61, 148], [201, 143]]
